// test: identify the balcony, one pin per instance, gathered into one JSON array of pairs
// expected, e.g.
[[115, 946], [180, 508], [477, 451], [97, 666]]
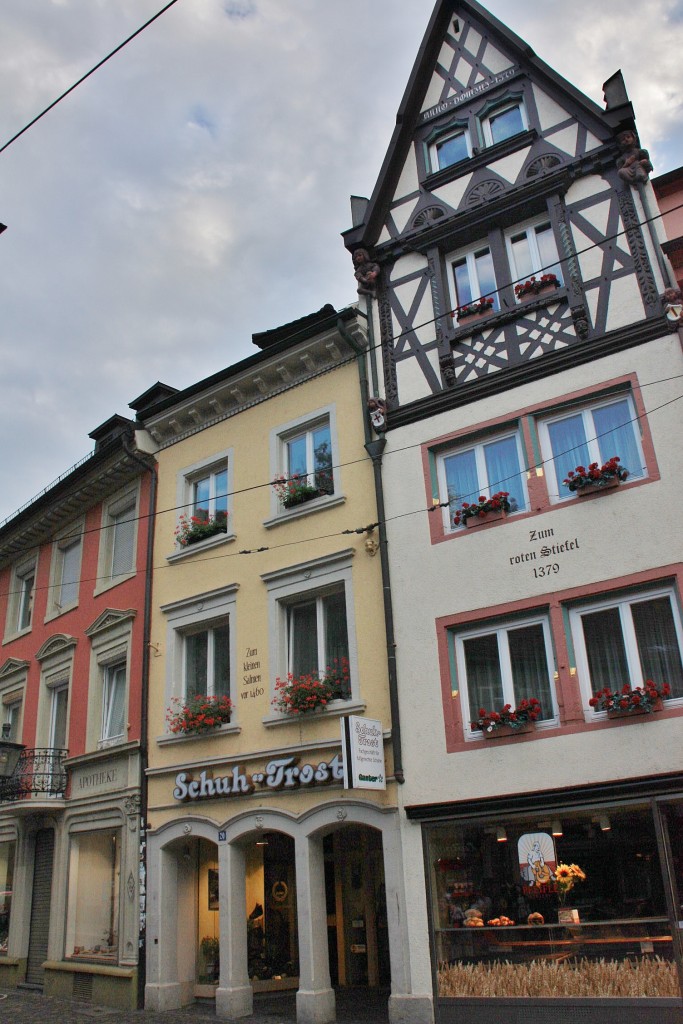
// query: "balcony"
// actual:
[[38, 772]]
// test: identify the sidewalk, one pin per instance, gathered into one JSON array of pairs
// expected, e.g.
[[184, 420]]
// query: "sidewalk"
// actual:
[[358, 1006]]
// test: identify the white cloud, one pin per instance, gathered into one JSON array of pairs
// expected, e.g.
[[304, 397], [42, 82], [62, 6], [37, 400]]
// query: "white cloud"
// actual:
[[193, 190]]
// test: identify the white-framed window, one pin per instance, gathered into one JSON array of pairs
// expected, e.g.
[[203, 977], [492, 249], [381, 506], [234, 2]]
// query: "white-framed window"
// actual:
[[11, 717], [65, 571], [532, 250], [59, 714], [118, 539], [114, 702], [311, 617], [504, 121], [450, 148], [482, 468], [627, 640], [317, 635], [204, 495], [503, 664], [206, 661], [21, 596], [201, 646], [305, 456], [472, 276], [587, 434], [108, 697], [56, 658]]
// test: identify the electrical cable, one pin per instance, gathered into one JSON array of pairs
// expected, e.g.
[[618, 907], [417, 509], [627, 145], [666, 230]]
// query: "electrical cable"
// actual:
[[87, 75]]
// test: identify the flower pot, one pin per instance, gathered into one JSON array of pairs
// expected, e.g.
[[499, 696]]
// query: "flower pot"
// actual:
[[596, 488], [532, 296], [508, 730], [489, 517], [471, 318], [633, 712], [299, 499]]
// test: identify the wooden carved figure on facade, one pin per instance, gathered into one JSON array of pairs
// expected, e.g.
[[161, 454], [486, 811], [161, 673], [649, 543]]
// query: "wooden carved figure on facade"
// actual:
[[672, 300], [366, 272], [634, 163]]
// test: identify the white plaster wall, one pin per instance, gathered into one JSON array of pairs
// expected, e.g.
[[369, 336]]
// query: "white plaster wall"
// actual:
[[616, 536]]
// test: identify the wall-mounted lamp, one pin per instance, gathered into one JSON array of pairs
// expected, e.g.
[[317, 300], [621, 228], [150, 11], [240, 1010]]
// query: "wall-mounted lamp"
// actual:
[[501, 834], [557, 827], [604, 823]]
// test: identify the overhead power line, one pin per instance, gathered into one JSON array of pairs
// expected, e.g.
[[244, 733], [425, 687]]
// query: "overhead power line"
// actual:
[[87, 75]]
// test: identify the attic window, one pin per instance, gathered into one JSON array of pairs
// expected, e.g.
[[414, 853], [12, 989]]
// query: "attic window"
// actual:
[[450, 149], [504, 122]]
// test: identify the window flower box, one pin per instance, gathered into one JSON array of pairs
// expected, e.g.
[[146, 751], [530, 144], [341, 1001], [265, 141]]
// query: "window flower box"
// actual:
[[193, 529], [301, 695], [628, 703], [198, 714], [296, 490], [583, 481], [534, 288], [484, 510], [473, 312], [508, 721]]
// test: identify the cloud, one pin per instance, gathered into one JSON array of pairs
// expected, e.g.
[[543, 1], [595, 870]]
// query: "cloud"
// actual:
[[194, 189]]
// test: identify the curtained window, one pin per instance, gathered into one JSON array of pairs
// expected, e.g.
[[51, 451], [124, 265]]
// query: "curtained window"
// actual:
[[317, 634], [505, 665], [628, 641], [483, 469]]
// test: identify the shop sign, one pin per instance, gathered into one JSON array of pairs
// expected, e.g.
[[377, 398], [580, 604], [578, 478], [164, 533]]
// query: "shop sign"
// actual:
[[282, 773], [363, 745], [537, 863], [99, 780]]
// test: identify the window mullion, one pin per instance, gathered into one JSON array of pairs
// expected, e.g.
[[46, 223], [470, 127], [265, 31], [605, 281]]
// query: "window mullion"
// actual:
[[590, 434], [505, 667], [321, 631], [631, 645], [482, 477], [210, 665]]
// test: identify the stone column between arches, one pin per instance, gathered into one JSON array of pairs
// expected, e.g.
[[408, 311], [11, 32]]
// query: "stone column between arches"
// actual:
[[234, 995], [315, 1001]]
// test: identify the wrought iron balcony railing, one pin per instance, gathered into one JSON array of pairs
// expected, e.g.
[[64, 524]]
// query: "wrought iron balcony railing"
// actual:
[[38, 770]]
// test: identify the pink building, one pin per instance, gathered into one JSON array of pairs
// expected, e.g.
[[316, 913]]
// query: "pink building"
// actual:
[[73, 604], [669, 191]]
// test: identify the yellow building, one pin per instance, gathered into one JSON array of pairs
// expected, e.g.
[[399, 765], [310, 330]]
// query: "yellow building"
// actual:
[[263, 871]]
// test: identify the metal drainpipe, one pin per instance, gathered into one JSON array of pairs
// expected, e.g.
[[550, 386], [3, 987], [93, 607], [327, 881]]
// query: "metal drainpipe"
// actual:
[[374, 448], [144, 717]]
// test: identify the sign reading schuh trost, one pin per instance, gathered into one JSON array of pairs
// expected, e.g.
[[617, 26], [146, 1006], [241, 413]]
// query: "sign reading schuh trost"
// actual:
[[363, 746]]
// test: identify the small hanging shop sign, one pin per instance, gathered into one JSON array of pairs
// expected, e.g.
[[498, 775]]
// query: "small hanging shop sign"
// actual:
[[363, 746]]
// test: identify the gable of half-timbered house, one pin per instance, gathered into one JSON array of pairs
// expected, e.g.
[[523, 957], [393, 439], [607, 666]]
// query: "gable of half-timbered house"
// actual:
[[499, 170]]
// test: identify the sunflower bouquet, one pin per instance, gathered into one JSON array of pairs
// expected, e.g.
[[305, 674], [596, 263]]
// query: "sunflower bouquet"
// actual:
[[566, 877]]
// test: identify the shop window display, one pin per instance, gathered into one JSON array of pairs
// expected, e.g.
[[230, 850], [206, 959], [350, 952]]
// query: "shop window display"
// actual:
[[272, 936], [6, 887], [92, 922], [563, 905]]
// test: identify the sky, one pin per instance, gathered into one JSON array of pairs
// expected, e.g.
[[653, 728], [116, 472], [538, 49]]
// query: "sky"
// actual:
[[193, 190]]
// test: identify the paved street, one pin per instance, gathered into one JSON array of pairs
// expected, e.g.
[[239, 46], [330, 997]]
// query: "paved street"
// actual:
[[19, 1007]]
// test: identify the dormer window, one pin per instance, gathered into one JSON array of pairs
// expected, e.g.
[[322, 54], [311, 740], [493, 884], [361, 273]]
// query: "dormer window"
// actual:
[[450, 149], [503, 122]]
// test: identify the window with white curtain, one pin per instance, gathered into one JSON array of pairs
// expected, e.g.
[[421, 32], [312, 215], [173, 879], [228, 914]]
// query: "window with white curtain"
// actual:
[[533, 251], [473, 277], [482, 469], [504, 664], [593, 433], [114, 703], [66, 571], [207, 662], [624, 641], [317, 636]]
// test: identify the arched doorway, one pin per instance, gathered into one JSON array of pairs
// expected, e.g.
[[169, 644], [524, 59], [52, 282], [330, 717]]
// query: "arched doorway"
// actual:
[[355, 895], [272, 930]]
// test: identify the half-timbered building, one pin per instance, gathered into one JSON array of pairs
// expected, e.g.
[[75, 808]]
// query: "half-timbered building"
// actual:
[[509, 259]]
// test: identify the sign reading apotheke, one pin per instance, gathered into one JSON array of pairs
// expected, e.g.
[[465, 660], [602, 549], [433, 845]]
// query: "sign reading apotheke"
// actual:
[[363, 745], [282, 773]]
